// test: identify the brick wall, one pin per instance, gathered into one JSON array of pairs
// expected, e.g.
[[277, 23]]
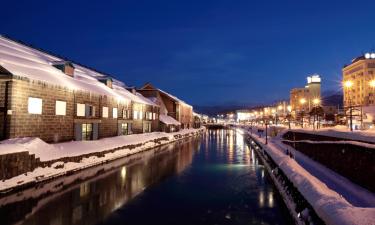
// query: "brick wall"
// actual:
[[2, 100], [108, 126], [54, 128], [186, 116], [47, 126]]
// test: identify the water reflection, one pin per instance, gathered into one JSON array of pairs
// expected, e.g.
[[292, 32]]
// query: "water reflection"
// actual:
[[92, 200], [213, 180]]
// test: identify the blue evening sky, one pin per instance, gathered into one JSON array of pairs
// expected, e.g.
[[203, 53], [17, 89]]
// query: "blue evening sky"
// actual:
[[205, 52]]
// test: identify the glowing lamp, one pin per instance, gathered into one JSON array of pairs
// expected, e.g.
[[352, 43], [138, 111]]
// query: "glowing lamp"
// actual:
[[316, 101], [348, 84]]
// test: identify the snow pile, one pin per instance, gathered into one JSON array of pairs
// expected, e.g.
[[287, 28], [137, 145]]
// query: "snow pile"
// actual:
[[168, 120], [47, 152], [328, 204], [342, 132]]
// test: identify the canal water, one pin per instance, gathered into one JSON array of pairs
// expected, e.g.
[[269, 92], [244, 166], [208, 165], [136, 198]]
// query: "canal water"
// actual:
[[212, 179]]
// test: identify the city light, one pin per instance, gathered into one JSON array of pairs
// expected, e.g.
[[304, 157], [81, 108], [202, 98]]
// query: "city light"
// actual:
[[280, 107], [289, 108], [316, 101], [370, 55], [348, 84], [302, 101], [372, 83]]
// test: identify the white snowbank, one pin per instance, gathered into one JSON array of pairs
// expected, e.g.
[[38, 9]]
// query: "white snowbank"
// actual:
[[75, 148], [328, 204], [342, 132], [48, 152]]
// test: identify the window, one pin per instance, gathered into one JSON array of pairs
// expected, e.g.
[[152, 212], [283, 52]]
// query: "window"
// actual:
[[126, 128], [149, 115], [80, 109], [87, 131], [154, 116], [140, 115], [90, 110], [126, 114], [105, 112], [60, 108], [147, 127], [35, 105], [114, 112], [135, 115]]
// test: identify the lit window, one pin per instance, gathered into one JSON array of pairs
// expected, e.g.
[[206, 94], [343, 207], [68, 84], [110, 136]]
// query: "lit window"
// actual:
[[87, 132], [114, 112], [140, 115], [80, 109], [126, 114], [135, 114], [35, 105], [105, 112], [60, 108]]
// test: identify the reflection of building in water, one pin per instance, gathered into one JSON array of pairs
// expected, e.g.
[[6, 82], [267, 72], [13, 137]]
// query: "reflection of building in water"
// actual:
[[91, 202]]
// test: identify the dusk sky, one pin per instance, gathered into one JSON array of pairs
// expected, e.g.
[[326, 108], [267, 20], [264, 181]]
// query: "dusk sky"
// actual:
[[205, 52]]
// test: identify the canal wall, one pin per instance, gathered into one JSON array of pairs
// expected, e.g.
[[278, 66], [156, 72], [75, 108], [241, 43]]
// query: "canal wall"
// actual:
[[353, 161], [329, 206], [299, 207], [23, 169]]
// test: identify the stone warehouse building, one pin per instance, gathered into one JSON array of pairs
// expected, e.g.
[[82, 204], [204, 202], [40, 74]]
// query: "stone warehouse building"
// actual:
[[45, 96], [174, 113]]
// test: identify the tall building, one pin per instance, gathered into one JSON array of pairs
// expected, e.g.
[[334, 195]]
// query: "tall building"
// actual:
[[302, 99], [359, 81]]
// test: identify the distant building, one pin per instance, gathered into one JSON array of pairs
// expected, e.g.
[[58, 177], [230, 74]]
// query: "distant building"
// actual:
[[302, 99], [359, 90], [359, 81], [45, 96], [174, 113]]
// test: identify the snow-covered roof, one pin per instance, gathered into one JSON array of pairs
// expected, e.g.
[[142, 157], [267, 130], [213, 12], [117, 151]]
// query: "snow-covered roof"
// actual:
[[149, 101], [168, 120], [24, 61], [174, 98]]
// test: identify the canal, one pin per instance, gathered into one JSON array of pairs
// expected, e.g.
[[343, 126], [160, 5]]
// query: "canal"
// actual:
[[212, 179]]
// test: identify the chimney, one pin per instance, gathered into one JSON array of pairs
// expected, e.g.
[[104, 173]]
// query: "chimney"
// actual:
[[65, 66], [107, 81]]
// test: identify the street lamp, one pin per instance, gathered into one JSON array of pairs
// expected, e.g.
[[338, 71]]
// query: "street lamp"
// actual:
[[348, 85], [289, 108], [302, 101], [316, 102]]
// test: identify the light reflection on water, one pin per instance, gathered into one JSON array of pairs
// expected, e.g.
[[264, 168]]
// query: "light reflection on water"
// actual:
[[213, 180]]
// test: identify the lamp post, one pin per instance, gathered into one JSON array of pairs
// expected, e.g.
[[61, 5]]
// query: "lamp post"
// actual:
[[279, 108], [348, 85], [274, 113], [289, 114], [302, 101], [316, 102]]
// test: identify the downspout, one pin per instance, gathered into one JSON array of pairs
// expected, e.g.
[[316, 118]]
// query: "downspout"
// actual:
[[5, 118]]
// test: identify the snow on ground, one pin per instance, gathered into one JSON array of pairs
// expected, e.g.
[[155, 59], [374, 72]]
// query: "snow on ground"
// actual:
[[329, 204], [342, 132], [48, 152]]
